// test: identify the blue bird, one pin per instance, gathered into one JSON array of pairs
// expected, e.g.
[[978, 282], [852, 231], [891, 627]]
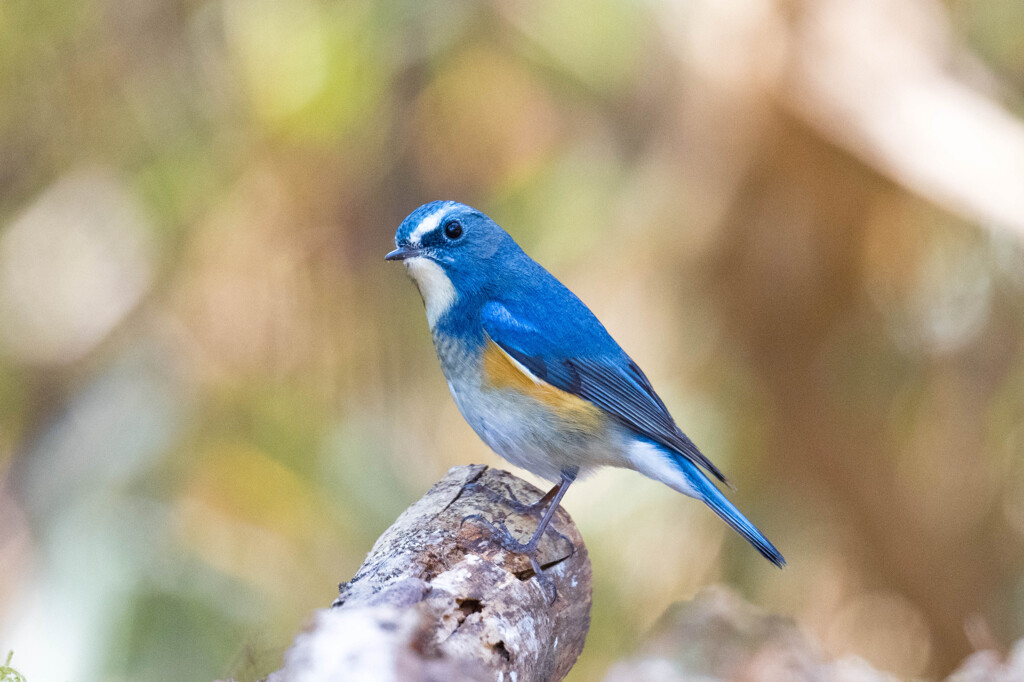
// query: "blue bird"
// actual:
[[535, 373]]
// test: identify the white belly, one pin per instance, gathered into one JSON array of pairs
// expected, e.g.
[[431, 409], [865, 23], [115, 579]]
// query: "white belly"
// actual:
[[520, 429]]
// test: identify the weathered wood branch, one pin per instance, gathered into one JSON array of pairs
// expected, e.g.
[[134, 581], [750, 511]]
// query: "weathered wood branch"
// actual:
[[437, 600]]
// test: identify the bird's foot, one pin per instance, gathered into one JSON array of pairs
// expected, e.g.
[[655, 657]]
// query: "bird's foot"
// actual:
[[544, 580], [502, 537], [507, 499]]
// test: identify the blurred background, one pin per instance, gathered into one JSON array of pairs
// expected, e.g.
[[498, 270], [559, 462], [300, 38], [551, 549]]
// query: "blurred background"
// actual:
[[803, 218]]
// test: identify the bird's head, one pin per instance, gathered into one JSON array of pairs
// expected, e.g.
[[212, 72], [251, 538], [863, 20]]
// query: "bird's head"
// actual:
[[449, 250]]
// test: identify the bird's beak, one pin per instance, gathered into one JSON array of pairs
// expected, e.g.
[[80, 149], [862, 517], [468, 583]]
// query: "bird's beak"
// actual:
[[402, 252]]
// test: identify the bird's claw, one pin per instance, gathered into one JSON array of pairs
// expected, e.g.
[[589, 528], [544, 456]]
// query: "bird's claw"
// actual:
[[562, 536], [544, 580], [508, 499], [501, 535]]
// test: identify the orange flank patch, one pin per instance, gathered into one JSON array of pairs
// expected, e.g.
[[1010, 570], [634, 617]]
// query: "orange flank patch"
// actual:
[[502, 372]]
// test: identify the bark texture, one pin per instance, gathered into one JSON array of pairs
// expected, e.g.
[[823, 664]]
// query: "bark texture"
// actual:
[[436, 599]]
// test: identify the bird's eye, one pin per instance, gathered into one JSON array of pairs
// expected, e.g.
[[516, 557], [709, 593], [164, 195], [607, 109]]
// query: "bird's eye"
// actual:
[[453, 229]]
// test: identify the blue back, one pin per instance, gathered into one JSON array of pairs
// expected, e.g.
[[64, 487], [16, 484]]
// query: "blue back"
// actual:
[[498, 293], [506, 296]]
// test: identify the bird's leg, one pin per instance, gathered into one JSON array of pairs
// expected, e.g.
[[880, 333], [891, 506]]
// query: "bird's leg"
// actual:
[[500, 533], [553, 498], [548, 496], [498, 527]]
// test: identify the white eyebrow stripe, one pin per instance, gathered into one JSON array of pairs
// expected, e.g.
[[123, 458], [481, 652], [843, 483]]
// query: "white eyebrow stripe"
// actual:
[[428, 224]]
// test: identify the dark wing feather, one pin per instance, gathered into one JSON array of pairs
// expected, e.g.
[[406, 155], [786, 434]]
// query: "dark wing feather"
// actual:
[[615, 384]]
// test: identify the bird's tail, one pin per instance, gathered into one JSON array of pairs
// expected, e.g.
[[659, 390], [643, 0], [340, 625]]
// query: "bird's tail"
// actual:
[[731, 515], [681, 475]]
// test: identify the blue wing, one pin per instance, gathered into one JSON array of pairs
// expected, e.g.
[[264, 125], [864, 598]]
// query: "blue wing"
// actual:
[[585, 361]]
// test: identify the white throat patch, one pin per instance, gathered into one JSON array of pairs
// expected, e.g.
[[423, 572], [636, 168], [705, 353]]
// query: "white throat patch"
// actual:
[[436, 288]]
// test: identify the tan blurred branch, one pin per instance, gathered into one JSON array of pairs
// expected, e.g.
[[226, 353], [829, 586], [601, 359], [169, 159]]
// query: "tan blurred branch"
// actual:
[[872, 77], [435, 600]]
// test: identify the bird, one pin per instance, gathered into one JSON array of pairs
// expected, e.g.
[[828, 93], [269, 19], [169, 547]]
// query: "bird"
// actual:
[[537, 376]]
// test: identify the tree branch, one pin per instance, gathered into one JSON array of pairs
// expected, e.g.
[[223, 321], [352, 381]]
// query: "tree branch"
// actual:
[[437, 600]]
